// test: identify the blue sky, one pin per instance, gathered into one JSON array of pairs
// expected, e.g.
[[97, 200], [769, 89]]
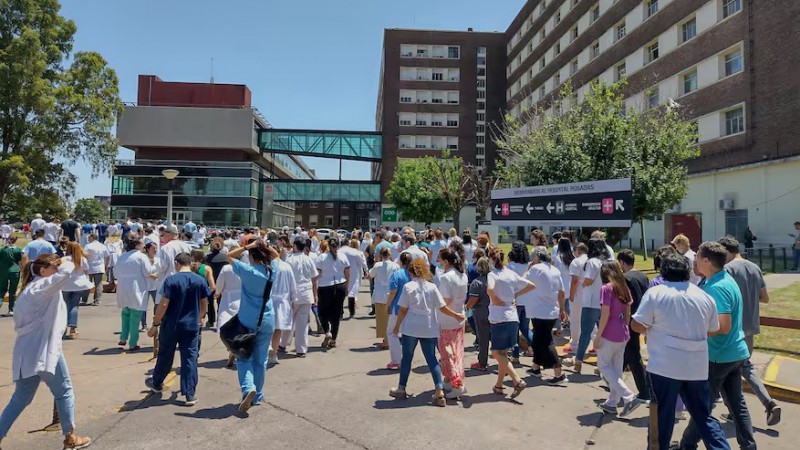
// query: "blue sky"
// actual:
[[309, 63]]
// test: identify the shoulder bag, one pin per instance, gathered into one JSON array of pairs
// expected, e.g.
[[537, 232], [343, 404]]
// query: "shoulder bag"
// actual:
[[239, 339]]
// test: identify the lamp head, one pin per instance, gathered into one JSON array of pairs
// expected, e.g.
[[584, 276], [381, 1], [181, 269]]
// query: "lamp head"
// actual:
[[170, 174]]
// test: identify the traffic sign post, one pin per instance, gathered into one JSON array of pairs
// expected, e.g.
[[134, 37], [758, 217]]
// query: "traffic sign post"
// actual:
[[604, 203]]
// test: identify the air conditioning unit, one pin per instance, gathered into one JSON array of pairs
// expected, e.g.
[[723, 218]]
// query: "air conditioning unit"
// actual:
[[726, 204]]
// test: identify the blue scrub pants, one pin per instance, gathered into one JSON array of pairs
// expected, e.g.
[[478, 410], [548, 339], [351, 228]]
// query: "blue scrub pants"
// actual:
[[428, 345], [60, 385], [253, 370], [189, 341]]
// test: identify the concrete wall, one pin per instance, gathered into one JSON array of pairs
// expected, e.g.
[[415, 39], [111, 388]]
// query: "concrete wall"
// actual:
[[165, 126], [768, 191]]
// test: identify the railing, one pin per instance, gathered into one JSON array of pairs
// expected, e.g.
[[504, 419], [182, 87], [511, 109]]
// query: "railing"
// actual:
[[185, 163]]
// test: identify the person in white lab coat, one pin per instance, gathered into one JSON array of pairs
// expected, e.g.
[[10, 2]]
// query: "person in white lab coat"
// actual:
[[114, 248], [358, 269], [229, 296], [283, 295], [305, 275], [151, 250], [40, 320], [381, 272], [166, 256], [133, 270]]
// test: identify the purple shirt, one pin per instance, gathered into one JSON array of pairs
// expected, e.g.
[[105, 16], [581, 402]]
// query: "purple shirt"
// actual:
[[657, 281], [616, 329]]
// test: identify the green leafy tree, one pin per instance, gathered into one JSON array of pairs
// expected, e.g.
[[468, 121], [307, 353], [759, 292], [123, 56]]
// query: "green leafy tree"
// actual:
[[51, 115], [88, 210], [453, 180], [413, 195], [599, 139]]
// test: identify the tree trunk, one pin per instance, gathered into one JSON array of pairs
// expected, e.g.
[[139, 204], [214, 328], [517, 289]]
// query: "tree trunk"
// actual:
[[457, 220]]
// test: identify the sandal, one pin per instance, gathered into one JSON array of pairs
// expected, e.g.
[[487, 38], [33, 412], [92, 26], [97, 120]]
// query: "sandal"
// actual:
[[500, 390], [518, 388], [398, 393]]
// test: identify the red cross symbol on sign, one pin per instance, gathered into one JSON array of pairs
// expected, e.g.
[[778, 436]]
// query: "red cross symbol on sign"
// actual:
[[608, 205]]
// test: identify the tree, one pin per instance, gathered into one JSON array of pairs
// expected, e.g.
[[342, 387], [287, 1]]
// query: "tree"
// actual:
[[483, 185], [452, 180], [88, 210], [600, 139], [51, 116], [412, 194]]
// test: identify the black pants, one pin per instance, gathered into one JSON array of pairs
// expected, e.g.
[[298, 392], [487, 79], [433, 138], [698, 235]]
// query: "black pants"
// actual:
[[633, 361], [544, 349], [482, 329], [330, 306], [212, 311], [351, 306]]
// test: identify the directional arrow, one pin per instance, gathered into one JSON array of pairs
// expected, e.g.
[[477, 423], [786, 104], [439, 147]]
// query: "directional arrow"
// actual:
[[618, 206], [529, 208], [550, 208], [497, 209]]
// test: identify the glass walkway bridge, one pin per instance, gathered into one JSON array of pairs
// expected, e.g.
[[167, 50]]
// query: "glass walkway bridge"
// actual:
[[341, 145]]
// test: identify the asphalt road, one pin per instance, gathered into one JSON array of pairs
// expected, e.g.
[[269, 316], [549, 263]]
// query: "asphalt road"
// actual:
[[330, 400]]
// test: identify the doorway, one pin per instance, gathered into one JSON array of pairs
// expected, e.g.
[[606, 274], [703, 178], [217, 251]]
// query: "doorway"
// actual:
[[179, 218], [690, 225], [736, 223]]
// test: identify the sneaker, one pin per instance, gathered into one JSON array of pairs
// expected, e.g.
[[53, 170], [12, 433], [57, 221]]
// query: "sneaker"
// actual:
[[393, 366], [156, 389], [135, 348], [332, 343], [457, 392], [273, 359], [11, 314], [608, 409], [75, 442], [569, 362], [568, 349], [327, 340], [300, 355], [398, 393], [675, 446], [478, 366], [592, 352], [281, 349], [630, 407], [247, 402], [535, 372], [372, 311], [191, 400], [559, 379], [773, 413]]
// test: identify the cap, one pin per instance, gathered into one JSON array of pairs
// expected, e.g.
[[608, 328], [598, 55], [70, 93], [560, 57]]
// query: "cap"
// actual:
[[171, 229], [38, 216]]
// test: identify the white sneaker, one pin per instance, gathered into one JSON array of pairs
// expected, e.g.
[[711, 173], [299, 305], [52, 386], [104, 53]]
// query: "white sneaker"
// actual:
[[447, 386], [681, 415], [273, 359], [457, 392]]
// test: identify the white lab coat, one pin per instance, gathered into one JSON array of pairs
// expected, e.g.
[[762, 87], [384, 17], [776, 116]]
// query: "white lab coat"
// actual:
[[305, 270], [283, 294], [381, 272], [230, 285], [40, 319], [114, 252], [358, 264], [132, 272], [166, 259]]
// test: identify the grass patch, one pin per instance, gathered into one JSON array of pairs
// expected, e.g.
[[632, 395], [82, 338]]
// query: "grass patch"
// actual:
[[783, 302]]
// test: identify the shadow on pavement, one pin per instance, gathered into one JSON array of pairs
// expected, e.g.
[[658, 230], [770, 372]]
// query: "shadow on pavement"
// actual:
[[216, 364], [382, 372], [216, 413], [152, 400], [418, 400], [371, 349], [108, 351]]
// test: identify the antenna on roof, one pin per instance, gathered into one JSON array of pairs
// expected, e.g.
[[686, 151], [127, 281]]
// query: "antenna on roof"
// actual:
[[212, 70]]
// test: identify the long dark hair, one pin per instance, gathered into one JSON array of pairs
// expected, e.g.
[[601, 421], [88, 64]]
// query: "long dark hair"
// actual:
[[262, 253], [333, 246], [597, 249], [458, 247], [611, 273], [452, 257], [498, 256], [519, 253], [35, 268], [565, 251]]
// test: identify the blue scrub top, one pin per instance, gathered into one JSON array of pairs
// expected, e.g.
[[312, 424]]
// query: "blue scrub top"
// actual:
[[254, 280], [398, 279], [184, 291]]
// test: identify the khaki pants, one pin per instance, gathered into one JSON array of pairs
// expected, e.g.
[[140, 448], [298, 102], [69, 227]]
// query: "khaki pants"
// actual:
[[381, 320]]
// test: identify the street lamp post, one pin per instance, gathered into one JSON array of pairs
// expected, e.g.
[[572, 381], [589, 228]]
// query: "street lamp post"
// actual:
[[170, 175]]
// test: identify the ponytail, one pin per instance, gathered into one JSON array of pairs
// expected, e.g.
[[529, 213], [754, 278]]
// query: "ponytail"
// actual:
[[498, 256], [35, 268], [333, 246], [452, 258]]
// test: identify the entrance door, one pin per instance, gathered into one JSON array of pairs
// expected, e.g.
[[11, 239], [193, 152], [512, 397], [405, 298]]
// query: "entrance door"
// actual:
[[120, 214], [690, 225], [179, 218], [736, 223]]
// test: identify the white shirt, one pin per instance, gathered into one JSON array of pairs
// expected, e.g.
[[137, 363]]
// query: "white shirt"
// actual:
[[436, 246], [166, 258], [518, 268], [96, 253], [542, 302], [691, 256], [230, 285], [566, 279], [230, 244], [78, 280], [591, 294], [416, 253], [678, 317], [113, 228], [381, 272], [283, 294], [331, 271], [40, 319], [114, 252], [37, 224], [506, 284], [304, 272], [6, 229], [132, 272], [422, 299], [610, 252], [364, 244], [396, 249], [199, 236], [469, 252], [452, 285], [51, 231], [576, 270], [152, 283]]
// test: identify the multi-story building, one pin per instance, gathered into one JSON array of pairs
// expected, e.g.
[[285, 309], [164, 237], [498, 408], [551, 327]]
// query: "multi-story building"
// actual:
[[439, 90], [727, 62], [208, 132]]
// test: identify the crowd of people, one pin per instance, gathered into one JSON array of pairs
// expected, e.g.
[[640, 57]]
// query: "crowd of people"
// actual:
[[699, 314]]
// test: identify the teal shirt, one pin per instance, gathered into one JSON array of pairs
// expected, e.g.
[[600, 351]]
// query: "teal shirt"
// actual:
[[731, 347]]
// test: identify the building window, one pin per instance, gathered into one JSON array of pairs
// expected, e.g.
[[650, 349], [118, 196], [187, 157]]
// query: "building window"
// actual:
[[344, 205], [652, 7], [573, 67], [481, 60], [651, 52], [481, 106], [619, 31], [734, 121], [558, 48], [730, 7], [733, 63], [480, 128], [436, 123], [542, 91], [480, 139], [575, 3], [542, 6], [438, 76], [452, 52], [481, 83], [405, 99], [422, 123], [558, 18], [452, 123], [541, 35], [688, 30], [573, 33], [556, 79], [480, 117], [328, 221], [313, 205], [542, 63], [653, 98], [620, 71], [595, 51], [312, 220], [481, 94], [595, 14], [690, 82], [405, 123], [329, 205], [298, 204]]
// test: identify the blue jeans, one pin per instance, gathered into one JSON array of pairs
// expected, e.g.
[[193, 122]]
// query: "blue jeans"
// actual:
[[796, 259], [589, 318], [72, 299], [428, 345], [253, 370], [523, 329], [61, 387], [664, 394], [189, 342], [725, 378]]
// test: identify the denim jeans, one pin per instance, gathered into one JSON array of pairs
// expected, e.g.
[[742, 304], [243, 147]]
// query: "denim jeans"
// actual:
[[589, 318], [60, 385], [796, 259], [428, 345], [253, 370], [72, 299], [725, 378], [189, 342], [664, 394], [524, 330]]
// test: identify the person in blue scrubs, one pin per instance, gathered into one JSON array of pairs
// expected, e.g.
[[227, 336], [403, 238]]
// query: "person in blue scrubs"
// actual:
[[254, 276]]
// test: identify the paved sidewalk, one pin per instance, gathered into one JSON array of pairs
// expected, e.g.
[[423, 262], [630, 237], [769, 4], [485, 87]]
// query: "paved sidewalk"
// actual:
[[329, 400], [779, 280]]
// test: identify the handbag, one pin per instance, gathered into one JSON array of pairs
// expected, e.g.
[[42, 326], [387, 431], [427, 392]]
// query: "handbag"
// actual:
[[239, 339]]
